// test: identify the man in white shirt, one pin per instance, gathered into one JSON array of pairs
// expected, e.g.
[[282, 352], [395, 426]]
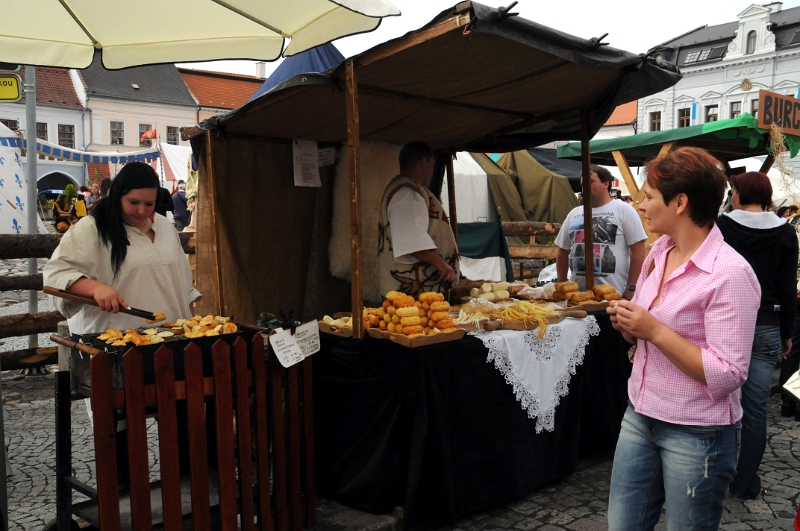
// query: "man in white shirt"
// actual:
[[618, 240], [417, 250]]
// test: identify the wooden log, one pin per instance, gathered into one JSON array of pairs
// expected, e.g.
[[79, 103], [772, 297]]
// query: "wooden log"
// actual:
[[548, 252], [24, 282], [13, 246], [28, 245], [27, 358], [529, 228], [25, 324]]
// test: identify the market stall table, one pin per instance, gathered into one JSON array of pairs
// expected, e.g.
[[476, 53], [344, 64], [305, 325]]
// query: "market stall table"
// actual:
[[439, 431]]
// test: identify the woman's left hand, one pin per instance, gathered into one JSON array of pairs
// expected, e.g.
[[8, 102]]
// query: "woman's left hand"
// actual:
[[635, 320]]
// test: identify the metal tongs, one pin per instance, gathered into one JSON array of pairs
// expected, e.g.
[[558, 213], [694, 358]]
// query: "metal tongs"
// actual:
[[88, 300]]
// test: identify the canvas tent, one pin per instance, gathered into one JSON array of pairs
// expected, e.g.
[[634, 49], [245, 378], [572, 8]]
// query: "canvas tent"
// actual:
[[474, 78], [13, 187], [315, 60]]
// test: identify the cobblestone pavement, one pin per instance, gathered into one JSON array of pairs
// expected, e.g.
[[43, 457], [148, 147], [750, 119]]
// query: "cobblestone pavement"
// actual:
[[578, 502]]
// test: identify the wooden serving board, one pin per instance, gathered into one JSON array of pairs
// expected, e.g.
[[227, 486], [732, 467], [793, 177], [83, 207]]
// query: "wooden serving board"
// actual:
[[419, 341], [590, 307]]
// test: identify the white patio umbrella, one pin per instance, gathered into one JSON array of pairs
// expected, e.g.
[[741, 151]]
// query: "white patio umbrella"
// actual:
[[130, 32]]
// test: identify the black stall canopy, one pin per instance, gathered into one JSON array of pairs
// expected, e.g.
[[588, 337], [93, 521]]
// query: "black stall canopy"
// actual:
[[475, 78]]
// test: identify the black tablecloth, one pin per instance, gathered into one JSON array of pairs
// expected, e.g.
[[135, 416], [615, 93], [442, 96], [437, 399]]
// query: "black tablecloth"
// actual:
[[438, 430]]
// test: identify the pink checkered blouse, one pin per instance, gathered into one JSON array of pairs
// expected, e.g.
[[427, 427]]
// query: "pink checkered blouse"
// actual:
[[712, 301]]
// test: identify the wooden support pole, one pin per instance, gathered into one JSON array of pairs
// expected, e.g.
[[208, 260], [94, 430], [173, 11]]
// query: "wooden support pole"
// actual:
[[586, 183], [633, 189], [354, 173], [28, 245], [28, 358], [213, 208], [451, 196], [768, 162]]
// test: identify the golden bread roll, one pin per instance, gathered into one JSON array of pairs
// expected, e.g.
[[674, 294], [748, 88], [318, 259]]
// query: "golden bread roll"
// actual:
[[445, 323], [392, 295], [427, 330], [423, 321], [567, 287], [436, 297], [580, 296], [604, 288], [426, 306], [410, 321], [408, 311], [426, 295], [382, 325], [404, 302], [416, 329], [438, 316], [559, 296], [386, 304], [177, 330], [610, 297], [391, 310], [396, 319], [390, 327], [440, 306], [422, 313], [387, 318], [374, 321]]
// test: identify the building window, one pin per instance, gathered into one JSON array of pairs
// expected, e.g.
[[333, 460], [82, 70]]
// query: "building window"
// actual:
[[11, 124], [173, 135], [66, 136], [692, 57], [712, 113], [751, 42], [655, 121], [754, 109], [117, 133], [143, 128], [736, 109], [684, 117], [41, 130]]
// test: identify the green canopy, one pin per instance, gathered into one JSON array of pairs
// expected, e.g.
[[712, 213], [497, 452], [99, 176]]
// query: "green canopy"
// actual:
[[726, 140]]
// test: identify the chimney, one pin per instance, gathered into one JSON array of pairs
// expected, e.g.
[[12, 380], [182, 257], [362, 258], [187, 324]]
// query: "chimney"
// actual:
[[261, 69], [775, 7]]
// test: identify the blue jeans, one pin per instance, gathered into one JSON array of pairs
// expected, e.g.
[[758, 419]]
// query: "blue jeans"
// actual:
[[755, 393], [686, 468]]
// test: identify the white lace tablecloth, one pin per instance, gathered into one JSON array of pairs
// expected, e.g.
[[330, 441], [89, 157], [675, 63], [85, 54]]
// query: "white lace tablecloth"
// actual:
[[540, 369]]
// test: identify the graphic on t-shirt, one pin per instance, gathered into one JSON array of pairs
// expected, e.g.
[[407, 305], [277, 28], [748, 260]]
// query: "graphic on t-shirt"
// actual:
[[605, 229]]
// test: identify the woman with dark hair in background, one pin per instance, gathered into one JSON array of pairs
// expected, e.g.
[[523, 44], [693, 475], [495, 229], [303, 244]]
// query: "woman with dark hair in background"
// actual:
[[691, 320], [769, 245]]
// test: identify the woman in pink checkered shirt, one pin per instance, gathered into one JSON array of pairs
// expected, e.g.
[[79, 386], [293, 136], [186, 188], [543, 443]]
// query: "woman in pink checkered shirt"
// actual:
[[691, 320]]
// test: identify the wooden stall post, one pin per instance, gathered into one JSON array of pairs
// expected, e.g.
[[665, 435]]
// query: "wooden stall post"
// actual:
[[451, 196], [586, 184], [635, 193], [214, 210], [768, 162], [354, 172]]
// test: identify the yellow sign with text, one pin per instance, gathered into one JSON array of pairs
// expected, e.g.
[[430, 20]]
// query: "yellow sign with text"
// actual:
[[10, 87]]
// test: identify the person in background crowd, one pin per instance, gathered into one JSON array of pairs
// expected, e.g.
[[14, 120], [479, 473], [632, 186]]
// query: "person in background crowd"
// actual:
[[84, 192], [180, 215], [105, 188], [618, 234], [94, 196], [791, 363], [787, 212], [769, 245], [691, 322]]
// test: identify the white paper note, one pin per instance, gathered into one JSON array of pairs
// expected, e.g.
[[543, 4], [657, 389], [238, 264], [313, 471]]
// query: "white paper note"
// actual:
[[285, 347], [306, 163], [307, 336], [327, 156], [793, 384]]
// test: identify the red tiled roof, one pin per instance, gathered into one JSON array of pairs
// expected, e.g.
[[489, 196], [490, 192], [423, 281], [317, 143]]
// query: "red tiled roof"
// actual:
[[220, 90], [624, 114], [98, 171], [54, 88]]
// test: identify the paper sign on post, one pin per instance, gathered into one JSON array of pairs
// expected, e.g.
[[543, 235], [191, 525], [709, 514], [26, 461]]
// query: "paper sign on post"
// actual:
[[307, 336], [793, 384], [306, 163], [285, 347], [327, 156]]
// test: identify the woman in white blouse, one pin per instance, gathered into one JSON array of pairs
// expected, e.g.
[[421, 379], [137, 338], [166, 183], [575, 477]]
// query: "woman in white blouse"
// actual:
[[122, 255]]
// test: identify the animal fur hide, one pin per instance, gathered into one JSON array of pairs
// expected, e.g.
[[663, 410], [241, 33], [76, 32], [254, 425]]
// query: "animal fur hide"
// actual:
[[379, 165]]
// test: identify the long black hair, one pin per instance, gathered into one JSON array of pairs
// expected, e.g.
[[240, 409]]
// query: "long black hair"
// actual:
[[108, 211]]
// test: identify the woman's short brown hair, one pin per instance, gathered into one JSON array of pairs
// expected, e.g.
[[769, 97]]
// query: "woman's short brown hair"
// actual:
[[695, 173]]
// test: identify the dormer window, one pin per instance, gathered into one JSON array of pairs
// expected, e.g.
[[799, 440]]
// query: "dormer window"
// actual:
[[706, 54], [751, 42]]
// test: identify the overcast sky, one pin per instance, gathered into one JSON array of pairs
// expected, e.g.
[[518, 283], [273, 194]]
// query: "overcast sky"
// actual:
[[632, 25]]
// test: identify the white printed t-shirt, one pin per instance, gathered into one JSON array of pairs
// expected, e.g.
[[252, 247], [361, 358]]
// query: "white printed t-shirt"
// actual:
[[616, 226]]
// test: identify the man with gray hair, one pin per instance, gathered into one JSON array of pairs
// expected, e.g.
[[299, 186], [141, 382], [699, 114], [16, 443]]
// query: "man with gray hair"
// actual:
[[181, 215]]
